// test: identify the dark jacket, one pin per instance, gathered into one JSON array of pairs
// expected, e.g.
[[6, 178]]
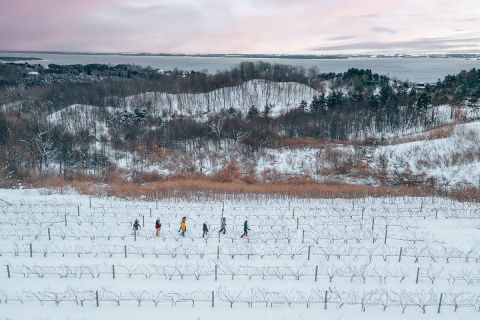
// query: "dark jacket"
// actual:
[[136, 225]]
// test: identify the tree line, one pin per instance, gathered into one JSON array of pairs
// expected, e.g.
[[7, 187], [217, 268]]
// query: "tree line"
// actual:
[[356, 104]]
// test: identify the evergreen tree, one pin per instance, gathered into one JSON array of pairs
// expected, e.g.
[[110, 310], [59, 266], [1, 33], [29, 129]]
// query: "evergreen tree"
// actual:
[[252, 112]]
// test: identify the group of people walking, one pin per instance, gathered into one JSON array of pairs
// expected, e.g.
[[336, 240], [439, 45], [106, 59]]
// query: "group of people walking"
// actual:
[[183, 227]]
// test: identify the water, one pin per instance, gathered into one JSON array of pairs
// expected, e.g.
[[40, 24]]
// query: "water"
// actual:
[[413, 69]]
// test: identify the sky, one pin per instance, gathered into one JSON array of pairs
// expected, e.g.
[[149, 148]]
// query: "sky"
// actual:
[[242, 26]]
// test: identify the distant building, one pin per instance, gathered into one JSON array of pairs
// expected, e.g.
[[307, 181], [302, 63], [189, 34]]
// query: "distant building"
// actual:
[[422, 85], [33, 73]]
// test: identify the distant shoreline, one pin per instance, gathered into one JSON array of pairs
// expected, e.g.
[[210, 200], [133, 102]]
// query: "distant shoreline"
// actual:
[[16, 59], [250, 56]]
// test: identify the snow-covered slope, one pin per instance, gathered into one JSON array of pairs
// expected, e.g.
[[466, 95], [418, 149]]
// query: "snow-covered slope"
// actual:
[[282, 95], [450, 161]]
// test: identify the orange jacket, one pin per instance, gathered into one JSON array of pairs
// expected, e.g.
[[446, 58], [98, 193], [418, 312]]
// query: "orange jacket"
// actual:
[[183, 226]]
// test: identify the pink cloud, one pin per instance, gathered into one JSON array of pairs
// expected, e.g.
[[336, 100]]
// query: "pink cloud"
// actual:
[[233, 26]]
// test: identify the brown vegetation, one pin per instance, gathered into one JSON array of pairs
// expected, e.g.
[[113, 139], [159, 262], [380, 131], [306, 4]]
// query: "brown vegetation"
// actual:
[[198, 186]]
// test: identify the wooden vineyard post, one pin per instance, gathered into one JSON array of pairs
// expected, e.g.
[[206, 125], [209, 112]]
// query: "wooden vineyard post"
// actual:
[[49, 238], [418, 274], [31, 250], [400, 255], [96, 297], [440, 303], [308, 258], [316, 273], [8, 271], [218, 252], [326, 299], [213, 299], [113, 271], [125, 250], [216, 272]]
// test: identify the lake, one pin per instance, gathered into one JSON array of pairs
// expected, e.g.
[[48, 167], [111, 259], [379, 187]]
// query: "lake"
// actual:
[[413, 69]]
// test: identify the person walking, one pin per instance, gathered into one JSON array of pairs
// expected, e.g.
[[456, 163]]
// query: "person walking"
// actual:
[[136, 225], [158, 226], [183, 226], [205, 230], [223, 225], [245, 229]]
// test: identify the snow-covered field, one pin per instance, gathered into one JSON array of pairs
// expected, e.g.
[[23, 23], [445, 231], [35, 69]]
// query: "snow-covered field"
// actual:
[[69, 256]]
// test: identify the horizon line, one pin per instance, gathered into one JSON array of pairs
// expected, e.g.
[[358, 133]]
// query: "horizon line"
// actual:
[[200, 54]]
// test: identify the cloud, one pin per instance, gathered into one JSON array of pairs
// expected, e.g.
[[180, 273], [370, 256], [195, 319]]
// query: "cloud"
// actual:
[[338, 38], [383, 30], [238, 26], [416, 44]]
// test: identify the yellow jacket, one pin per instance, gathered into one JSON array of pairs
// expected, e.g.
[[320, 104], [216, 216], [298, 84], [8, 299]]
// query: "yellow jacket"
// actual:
[[183, 226]]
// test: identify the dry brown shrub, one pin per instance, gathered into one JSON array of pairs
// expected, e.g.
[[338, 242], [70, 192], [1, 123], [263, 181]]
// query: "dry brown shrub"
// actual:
[[145, 177], [438, 132], [442, 132], [228, 173], [298, 187], [408, 178], [466, 193], [339, 161], [158, 154], [45, 181], [197, 185], [303, 142], [249, 179], [362, 170], [299, 142]]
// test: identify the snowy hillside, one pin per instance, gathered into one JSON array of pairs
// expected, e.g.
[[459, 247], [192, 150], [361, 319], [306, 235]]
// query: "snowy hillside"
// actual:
[[450, 161], [283, 96], [68, 256], [78, 117]]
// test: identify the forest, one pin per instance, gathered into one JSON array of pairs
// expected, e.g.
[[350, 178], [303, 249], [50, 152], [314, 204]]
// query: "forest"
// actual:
[[357, 105]]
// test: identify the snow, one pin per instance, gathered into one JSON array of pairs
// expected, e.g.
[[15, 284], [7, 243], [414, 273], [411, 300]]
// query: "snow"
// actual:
[[282, 95], [451, 161], [260, 275]]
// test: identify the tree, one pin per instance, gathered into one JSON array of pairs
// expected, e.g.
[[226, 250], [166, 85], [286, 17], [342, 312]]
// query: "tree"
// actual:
[[423, 102], [3, 130], [252, 112], [267, 110]]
